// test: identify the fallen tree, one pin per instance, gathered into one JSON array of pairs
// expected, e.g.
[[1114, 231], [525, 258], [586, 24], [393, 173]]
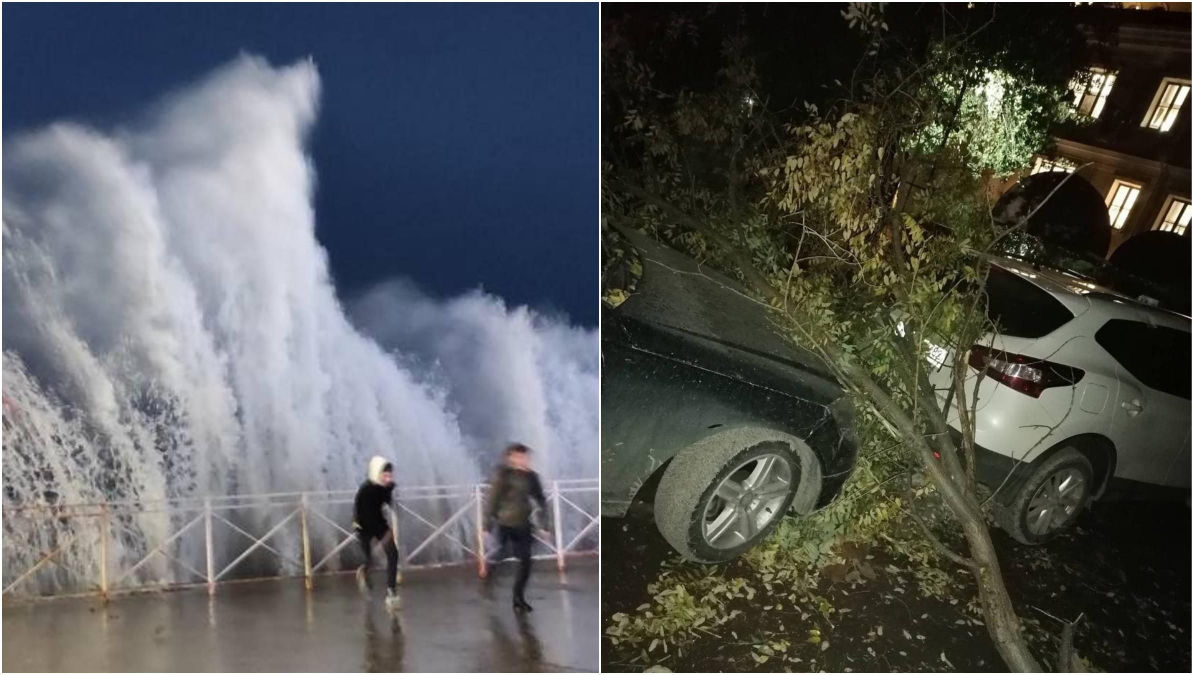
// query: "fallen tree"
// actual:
[[860, 224]]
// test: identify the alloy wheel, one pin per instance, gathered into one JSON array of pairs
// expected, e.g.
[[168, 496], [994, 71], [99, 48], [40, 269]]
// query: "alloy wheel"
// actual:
[[746, 500], [1054, 502]]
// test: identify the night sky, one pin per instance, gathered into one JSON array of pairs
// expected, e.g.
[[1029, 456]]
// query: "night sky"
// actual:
[[456, 144]]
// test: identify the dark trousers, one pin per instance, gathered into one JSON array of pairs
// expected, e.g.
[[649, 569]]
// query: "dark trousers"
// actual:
[[517, 541], [389, 549]]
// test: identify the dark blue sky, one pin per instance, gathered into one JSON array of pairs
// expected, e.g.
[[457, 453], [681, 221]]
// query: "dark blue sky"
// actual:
[[456, 144]]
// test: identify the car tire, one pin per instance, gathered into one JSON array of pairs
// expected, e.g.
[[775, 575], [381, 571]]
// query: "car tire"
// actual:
[[1050, 500], [724, 494]]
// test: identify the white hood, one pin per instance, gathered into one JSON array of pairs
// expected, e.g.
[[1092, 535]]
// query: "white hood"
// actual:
[[374, 468]]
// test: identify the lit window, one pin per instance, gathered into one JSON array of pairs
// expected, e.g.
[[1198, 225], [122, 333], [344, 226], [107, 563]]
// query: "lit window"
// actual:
[[1176, 216], [1092, 90], [1043, 164], [1120, 200], [1167, 102]]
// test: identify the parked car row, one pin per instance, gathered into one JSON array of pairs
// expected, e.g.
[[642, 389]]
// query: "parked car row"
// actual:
[[725, 425]]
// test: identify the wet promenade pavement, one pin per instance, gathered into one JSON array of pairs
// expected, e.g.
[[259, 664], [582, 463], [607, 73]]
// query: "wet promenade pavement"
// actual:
[[447, 622]]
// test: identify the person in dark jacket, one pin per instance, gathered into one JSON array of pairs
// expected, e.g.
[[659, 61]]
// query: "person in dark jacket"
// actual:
[[370, 523], [515, 488]]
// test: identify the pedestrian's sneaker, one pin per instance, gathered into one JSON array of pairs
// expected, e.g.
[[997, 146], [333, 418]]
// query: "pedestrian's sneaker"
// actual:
[[361, 577], [393, 599]]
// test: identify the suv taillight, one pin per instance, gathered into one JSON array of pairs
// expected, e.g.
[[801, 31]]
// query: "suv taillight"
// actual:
[[1025, 374]]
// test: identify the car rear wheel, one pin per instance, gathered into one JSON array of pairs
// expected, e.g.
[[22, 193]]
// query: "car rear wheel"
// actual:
[[724, 494], [1051, 498]]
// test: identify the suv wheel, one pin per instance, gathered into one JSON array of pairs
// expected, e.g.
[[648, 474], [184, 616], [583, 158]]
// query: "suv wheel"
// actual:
[[1050, 499], [724, 494]]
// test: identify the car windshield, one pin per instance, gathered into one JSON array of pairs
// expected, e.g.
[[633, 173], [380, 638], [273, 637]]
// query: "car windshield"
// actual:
[[1020, 308]]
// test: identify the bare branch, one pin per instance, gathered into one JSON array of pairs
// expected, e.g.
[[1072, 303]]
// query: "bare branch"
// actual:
[[1068, 661], [938, 545]]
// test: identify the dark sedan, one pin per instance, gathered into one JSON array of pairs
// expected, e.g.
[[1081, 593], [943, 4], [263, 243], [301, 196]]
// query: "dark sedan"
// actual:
[[702, 396]]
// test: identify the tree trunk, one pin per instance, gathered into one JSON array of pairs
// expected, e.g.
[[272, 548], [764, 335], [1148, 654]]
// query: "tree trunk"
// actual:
[[1001, 619], [998, 613]]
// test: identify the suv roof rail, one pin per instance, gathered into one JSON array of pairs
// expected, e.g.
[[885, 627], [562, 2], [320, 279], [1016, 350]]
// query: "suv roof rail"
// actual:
[[1142, 300]]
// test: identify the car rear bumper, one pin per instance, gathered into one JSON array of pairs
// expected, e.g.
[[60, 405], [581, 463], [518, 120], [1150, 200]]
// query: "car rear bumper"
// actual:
[[997, 471]]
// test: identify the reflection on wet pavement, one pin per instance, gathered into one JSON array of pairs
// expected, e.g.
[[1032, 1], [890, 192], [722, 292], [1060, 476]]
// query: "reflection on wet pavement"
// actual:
[[444, 624], [517, 647], [384, 650]]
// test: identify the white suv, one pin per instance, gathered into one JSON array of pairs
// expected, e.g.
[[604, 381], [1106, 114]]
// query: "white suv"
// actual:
[[1085, 391]]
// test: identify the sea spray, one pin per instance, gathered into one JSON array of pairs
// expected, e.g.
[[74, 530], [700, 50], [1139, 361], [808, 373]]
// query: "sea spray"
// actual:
[[171, 331], [511, 374]]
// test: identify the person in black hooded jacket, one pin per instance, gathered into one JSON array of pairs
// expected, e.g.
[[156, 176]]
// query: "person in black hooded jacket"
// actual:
[[370, 523]]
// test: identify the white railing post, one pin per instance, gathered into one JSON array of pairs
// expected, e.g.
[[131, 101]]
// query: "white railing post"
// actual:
[[308, 580], [104, 552], [208, 545], [111, 571], [395, 512], [558, 547], [479, 531]]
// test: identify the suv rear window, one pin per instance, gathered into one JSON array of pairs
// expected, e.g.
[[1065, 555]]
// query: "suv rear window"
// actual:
[[1021, 309], [1159, 357]]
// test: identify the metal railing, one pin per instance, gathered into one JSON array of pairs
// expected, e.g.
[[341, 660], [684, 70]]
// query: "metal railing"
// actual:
[[118, 547]]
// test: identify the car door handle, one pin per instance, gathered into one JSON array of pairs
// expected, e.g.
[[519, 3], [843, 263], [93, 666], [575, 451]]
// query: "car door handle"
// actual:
[[1133, 407]]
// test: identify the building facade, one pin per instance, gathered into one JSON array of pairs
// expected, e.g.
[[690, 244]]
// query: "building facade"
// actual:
[[1132, 141]]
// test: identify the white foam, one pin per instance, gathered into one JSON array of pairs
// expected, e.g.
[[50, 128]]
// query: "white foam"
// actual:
[[170, 326]]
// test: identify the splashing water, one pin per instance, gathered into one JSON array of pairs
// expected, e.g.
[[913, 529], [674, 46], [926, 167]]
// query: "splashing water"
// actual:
[[171, 328], [509, 374]]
